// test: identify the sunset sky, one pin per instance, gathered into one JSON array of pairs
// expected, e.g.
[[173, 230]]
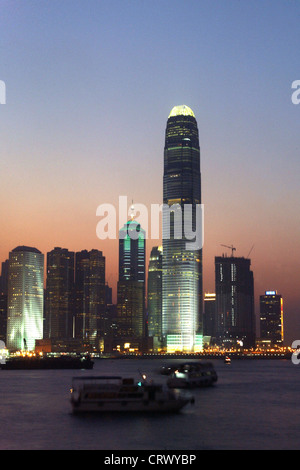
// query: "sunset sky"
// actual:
[[89, 87]]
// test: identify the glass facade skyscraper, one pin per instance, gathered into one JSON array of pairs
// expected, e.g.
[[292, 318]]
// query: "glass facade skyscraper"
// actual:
[[25, 298], [182, 302], [131, 283]]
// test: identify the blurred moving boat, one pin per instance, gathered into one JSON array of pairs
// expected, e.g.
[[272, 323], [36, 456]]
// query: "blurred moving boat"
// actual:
[[227, 360], [114, 393], [192, 375]]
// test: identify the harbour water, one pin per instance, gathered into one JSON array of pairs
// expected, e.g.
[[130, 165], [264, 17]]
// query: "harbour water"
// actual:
[[254, 405]]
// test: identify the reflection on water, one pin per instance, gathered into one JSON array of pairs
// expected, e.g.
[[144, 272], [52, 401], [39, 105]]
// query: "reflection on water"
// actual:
[[252, 406]]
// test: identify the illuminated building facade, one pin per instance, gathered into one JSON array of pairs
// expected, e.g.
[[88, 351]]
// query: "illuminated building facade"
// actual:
[[131, 283], [182, 296], [25, 298], [89, 296], [154, 293], [235, 319], [271, 318], [59, 302]]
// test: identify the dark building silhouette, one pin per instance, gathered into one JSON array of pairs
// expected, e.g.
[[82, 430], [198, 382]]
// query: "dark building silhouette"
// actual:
[[59, 296], [182, 302], [209, 315], [89, 297], [271, 318], [3, 317], [3, 300], [4, 277], [235, 319], [154, 294]]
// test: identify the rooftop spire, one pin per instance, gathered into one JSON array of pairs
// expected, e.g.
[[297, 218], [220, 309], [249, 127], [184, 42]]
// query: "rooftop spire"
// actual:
[[132, 211]]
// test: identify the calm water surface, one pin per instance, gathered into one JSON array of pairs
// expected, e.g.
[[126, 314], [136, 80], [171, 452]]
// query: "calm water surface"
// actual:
[[254, 405]]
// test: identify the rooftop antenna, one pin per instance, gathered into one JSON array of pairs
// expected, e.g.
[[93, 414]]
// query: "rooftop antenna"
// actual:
[[132, 210], [231, 247]]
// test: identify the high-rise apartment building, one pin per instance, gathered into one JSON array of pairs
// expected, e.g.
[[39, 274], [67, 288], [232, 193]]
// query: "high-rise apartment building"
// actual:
[[89, 296], [271, 318], [235, 318], [25, 298], [154, 293], [59, 298], [131, 283], [182, 301]]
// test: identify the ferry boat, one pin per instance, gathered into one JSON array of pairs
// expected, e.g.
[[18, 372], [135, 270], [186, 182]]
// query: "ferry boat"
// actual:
[[192, 375], [227, 360], [114, 393]]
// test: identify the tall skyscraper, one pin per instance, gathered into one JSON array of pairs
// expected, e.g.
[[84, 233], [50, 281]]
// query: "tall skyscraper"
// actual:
[[154, 293], [271, 318], [182, 302], [59, 301], [131, 283], [25, 298], [3, 300], [89, 296], [235, 318]]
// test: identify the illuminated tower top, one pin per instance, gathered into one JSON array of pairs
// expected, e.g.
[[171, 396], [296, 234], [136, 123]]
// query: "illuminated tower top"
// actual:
[[181, 110]]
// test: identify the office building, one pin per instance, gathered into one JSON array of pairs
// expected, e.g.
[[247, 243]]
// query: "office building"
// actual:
[[3, 300], [271, 318], [154, 294], [131, 283], [3, 317], [59, 297], [4, 277], [182, 302], [25, 298], [209, 315], [235, 318], [89, 297]]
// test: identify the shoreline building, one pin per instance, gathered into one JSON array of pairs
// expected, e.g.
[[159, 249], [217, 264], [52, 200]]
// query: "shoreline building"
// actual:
[[131, 283], [154, 296], [235, 318], [209, 317], [271, 318], [59, 301], [182, 292], [89, 297], [3, 300], [25, 302]]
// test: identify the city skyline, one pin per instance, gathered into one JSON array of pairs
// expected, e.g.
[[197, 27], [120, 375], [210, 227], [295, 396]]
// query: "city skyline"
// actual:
[[63, 159]]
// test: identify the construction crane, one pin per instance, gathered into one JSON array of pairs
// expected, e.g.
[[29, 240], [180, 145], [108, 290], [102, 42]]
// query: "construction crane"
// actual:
[[231, 247], [250, 251]]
